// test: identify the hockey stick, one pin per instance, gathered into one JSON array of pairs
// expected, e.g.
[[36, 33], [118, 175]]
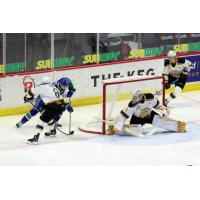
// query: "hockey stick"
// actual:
[[70, 131], [174, 82]]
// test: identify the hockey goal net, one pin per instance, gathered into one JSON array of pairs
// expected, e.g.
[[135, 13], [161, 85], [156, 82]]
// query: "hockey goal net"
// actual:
[[116, 94]]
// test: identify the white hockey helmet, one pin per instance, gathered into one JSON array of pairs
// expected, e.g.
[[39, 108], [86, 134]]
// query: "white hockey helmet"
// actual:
[[171, 54], [45, 80]]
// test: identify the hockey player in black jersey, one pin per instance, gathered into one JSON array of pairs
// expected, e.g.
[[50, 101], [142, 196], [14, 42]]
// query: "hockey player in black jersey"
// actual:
[[175, 72]]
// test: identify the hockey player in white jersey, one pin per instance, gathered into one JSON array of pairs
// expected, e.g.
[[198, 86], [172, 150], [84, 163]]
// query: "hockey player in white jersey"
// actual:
[[38, 106], [53, 105], [175, 72], [142, 109]]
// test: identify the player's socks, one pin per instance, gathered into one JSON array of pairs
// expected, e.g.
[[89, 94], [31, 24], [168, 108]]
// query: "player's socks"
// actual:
[[25, 119]]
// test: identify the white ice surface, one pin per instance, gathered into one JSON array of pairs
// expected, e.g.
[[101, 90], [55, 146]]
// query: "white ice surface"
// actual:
[[162, 148]]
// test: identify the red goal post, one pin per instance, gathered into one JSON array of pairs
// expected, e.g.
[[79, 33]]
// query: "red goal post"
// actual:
[[121, 89]]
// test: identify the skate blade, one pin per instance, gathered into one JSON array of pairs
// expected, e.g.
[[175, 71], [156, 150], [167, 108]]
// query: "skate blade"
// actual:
[[50, 136], [32, 143]]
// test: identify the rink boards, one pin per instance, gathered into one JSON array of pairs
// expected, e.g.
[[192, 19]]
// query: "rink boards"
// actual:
[[87, 80]]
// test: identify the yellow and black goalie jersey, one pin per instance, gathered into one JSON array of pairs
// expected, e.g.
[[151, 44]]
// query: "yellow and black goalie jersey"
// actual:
[[181, 66]]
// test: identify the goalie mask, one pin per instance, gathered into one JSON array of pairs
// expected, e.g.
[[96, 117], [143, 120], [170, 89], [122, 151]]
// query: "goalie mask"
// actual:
[[137, 96]]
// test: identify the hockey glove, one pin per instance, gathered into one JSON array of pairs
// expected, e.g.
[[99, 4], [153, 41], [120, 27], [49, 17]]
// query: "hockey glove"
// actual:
[[68, 107], [27, 99], [163, 111], [69, 94], [158, 93]]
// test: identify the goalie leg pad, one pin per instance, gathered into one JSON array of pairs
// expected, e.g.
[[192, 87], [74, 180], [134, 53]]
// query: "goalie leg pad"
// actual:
[[120, 121], [119, 124], [168, 124], [133, 130], [181, 127], [110, 130]]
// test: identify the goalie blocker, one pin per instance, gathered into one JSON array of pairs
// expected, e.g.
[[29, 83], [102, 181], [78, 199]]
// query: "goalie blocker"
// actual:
[[142, 110]]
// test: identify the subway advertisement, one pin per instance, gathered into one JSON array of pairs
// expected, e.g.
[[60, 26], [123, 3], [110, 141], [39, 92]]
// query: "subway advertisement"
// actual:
[[94, 58]]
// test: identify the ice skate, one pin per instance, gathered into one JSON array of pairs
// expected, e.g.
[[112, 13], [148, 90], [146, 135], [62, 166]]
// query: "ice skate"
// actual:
[[34, 140], [51, 133]]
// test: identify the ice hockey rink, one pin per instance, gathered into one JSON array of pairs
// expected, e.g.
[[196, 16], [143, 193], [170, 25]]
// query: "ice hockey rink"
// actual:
[[85, 149]]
